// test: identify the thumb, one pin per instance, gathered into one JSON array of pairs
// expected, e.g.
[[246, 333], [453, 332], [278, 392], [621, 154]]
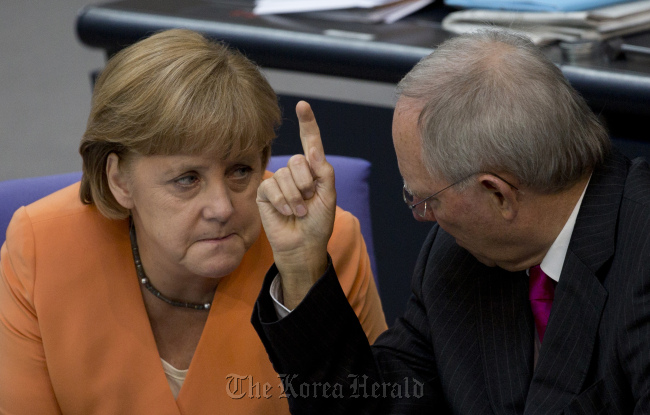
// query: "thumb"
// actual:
[[322, 170]]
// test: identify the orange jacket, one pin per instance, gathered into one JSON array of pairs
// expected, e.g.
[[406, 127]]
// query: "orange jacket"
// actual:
[[75, 337]]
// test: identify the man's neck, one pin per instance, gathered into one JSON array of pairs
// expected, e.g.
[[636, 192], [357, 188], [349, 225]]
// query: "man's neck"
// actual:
[[546, 216]]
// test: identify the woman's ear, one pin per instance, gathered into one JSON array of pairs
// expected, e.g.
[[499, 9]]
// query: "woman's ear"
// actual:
[[118, 181], [502, 196]]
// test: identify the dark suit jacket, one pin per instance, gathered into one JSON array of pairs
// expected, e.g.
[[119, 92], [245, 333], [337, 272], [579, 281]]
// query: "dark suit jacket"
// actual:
[[466, 341]]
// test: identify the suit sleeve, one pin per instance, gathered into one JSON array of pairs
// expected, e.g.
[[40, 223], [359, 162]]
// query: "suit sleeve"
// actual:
[[25, 386], [322, 343], [352, 264]]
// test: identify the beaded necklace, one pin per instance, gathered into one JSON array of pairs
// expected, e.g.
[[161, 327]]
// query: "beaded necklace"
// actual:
[[144, 280]]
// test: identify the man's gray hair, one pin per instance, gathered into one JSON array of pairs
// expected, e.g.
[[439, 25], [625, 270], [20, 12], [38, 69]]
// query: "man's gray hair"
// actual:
[[493, 102]]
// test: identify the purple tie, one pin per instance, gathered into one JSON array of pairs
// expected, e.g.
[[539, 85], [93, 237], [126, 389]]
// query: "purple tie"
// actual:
[[542, 290]]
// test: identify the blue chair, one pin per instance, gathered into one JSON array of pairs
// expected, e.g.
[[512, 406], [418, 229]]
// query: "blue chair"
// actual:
[[22, 192], [352, 190]]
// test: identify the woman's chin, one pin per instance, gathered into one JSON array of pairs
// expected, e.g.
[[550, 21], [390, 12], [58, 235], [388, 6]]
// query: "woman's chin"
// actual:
[[218, 266]]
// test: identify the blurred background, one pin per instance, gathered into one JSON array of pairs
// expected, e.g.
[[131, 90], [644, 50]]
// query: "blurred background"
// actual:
[[45, 87]]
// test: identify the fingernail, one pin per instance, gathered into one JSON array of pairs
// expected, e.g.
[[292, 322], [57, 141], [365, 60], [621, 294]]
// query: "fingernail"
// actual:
[[309, 194], [287, 210], [300, 210]]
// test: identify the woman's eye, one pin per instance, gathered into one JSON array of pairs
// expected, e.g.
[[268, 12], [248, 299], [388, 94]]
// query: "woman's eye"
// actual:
[[242, 172], [187, 180]]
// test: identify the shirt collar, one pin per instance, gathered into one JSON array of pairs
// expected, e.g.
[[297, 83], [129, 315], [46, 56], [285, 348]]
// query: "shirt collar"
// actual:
[[554, 258]]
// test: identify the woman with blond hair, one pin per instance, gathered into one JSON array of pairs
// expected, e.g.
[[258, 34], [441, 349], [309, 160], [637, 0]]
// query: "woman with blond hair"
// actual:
[[132, 291]]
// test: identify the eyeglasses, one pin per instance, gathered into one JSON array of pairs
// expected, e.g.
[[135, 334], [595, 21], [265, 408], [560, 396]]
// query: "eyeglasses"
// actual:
[[420, 208]]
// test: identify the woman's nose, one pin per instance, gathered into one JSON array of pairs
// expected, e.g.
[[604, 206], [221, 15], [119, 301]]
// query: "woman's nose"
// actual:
[[218, 202]]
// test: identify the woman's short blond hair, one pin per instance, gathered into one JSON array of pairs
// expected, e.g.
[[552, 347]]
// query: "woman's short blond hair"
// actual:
[[175, 92]]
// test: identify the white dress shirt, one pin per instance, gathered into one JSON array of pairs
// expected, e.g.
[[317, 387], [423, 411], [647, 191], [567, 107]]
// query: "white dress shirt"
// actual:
[[553, 261]]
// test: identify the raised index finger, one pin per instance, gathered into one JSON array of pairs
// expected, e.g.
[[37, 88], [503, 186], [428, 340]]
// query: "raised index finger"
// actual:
[[309, 132]]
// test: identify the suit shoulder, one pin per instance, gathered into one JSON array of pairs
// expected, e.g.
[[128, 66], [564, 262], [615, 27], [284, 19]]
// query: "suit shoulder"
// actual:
[[27, 220], [343, 218], [63, 202], [441, 256], [60, 216], [637, 185]]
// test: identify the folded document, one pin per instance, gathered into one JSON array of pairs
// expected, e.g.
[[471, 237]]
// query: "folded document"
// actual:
[[297, 6], [360, 11], [547, 27]]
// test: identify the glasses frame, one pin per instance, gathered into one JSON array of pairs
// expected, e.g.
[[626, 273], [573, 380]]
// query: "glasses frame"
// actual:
[[406, 195]]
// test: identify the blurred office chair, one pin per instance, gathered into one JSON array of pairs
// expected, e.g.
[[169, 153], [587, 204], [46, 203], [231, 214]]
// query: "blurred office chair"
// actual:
[[351, 186]]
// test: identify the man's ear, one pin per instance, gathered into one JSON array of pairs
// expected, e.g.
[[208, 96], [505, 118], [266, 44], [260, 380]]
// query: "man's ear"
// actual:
[[502, 196], [118, 181]]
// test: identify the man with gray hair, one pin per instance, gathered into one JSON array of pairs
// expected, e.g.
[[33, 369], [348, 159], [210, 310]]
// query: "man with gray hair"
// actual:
[[532, 291]]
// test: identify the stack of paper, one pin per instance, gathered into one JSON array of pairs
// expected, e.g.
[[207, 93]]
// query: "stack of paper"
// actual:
[[548, 27], [375, 11]]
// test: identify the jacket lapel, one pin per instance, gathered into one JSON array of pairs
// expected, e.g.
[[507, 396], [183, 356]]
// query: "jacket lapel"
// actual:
[[570, 337], [505, 329], [580, 297]]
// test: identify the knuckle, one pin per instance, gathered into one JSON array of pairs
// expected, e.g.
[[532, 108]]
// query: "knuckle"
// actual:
[[294, 199], [306, 185], [277, 199], [264, 187], [297, 161], [328, 169], [282, 172]]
